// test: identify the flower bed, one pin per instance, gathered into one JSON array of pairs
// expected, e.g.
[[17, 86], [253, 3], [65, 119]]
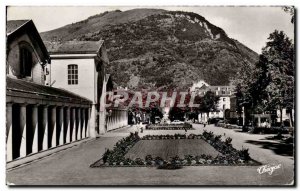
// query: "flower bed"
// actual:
[[271, 130], [230, 155], [185, 126]]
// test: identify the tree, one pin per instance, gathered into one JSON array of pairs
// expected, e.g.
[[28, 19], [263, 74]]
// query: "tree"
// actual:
[[239, 100], [271, 84], [209, 102], [257, 94], [280, 55], [291, 11]]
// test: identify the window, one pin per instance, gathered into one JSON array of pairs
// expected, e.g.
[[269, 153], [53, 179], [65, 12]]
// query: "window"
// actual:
[[25, 62], [72, 74], [224, 99]]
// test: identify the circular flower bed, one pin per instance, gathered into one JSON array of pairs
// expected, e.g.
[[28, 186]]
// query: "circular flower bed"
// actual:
[[230, 155]]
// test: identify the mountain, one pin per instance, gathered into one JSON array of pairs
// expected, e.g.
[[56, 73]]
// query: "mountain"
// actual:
[[155, 48]]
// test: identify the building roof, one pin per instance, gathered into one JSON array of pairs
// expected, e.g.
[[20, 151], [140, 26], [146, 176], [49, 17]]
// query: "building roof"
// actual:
[[17, 87], [74, 47], [13, 25], [15, 28]]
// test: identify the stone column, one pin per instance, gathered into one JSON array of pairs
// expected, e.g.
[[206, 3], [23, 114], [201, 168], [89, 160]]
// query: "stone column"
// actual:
[[92, 121], [113, 115], [23, 129], [79, 127], [102, 122], [61, 125], [259, 122], [67, 125], [53, 127], [126, 117], [83, 132], [73, 124], [9, 140], [45, 128], [35, 129], [108, 123], [117, 119], [243, 116], [88, 122], [121, 118]]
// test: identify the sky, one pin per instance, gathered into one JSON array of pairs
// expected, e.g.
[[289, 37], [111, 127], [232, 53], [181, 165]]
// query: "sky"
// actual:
[[249, 25]]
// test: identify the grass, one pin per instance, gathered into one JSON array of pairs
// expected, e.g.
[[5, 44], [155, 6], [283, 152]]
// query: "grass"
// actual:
[[170, 148]]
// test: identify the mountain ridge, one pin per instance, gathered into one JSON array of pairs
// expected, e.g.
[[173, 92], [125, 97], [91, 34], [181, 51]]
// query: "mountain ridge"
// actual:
[[159, 49]]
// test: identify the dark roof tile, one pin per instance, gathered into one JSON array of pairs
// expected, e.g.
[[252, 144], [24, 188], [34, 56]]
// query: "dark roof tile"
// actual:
[[13, 25], [73, 47], [37, 89]]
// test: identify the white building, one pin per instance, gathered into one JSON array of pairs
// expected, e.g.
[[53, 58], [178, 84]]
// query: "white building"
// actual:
[[79, 67], [223, 92], [197, 85]]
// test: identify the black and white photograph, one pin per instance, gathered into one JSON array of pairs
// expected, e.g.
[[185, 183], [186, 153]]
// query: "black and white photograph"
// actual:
[[150, 96]]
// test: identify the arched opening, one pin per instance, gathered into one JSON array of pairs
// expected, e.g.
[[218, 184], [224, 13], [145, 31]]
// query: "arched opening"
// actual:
[[26, 61]]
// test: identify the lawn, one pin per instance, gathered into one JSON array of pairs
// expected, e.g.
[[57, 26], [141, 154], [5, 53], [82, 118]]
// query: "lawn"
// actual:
[[170, 148]]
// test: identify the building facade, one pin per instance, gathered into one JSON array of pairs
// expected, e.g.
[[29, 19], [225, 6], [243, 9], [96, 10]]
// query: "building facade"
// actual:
[[225, 93]]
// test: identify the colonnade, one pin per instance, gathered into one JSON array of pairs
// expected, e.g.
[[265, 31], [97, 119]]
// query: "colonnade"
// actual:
[[31, 128], [118, 118]]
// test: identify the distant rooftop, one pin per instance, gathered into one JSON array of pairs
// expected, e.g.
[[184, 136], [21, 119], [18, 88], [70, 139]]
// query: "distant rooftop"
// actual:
[[73, 47], [13, 25]]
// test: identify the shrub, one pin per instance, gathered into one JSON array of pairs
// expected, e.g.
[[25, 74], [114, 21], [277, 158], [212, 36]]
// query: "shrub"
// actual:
[[228, 141], [105, 155], [208, 135], [244, 154], [148, 158], [158, 160], [217, 138], [169, 166], [139, 161]]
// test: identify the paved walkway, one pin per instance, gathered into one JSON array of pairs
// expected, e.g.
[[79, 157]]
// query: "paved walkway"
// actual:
[[71, 167]]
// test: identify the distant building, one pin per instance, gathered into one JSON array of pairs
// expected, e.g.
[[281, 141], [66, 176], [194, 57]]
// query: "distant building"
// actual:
[[197, 85], [223, 92], [38, 117], [79, 67]]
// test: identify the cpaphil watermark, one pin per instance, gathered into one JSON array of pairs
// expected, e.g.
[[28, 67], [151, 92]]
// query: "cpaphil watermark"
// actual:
[[268, 169], [144, 100]]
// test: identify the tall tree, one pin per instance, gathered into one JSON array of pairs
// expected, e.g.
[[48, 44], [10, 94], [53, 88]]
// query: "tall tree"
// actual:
[[270, 84], [280, 55], [239, 100]]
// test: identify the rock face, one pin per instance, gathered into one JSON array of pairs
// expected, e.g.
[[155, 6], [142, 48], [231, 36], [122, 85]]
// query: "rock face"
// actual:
[[158, 49]]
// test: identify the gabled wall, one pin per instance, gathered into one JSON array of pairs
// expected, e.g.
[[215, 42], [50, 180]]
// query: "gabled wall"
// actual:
[[13, 60]]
